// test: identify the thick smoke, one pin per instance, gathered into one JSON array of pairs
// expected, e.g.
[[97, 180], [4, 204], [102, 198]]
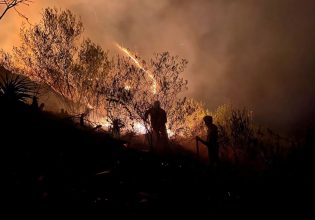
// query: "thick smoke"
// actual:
[[257, 54]]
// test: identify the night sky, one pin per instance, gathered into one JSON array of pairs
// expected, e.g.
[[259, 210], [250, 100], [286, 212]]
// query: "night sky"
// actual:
[[259, 54]]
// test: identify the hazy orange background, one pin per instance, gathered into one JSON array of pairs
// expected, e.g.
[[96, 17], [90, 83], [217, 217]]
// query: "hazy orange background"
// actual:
[[258, 54]]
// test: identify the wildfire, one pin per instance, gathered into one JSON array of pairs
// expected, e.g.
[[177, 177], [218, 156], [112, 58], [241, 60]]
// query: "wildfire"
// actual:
[[127, 87], [138, 127], [134, 59]]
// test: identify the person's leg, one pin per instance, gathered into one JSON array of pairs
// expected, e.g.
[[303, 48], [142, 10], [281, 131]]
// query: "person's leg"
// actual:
[[213, 157], [210, 158], [155, 139], [164, 140]]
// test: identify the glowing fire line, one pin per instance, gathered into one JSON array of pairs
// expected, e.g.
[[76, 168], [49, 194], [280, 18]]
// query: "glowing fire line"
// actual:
[[134, 59]]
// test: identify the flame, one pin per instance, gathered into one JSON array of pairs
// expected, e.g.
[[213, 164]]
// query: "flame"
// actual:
[[140, 128], [134, 59], [170, 133], [105, 123], [127, 87]]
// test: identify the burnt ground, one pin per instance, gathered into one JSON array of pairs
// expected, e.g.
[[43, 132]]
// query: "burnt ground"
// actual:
[[51, 166]]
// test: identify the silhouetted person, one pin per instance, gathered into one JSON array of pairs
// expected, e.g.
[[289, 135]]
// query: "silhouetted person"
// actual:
[[212, 141], [117, 125], [158, 119]]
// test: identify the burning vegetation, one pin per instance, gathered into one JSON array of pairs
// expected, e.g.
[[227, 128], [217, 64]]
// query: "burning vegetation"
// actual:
[[54, 53], [59, 159], [107, 89]]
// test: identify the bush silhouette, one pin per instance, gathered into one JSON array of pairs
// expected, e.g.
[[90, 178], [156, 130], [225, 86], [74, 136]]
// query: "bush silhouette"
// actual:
[[15, 88]]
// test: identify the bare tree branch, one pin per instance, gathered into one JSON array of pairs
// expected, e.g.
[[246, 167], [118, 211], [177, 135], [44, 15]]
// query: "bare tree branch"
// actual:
[[9, 4]]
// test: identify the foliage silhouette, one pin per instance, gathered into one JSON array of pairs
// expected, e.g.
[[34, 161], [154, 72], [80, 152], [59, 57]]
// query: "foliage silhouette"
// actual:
[[16, 88]]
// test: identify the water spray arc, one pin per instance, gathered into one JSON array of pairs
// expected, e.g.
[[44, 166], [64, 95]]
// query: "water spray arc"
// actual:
[[134, 59]]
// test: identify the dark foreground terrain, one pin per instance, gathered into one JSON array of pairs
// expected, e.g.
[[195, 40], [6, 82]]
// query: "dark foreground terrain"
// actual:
[[52, 165]]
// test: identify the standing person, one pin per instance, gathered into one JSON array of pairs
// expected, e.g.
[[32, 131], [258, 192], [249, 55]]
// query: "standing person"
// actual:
[[117, 125], [212, 141], [158, 119]]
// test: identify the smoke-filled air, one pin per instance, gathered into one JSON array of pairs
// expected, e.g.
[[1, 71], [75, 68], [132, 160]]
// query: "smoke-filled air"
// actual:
[[254, 54], [150, 107]]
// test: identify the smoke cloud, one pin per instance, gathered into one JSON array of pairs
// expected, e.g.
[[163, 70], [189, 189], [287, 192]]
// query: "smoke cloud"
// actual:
[[258, 54]]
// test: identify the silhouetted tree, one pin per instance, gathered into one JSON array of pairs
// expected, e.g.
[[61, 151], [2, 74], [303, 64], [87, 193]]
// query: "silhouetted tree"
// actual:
[[48, 50], [117, 88], [132, 90], [90, 69], [186, 118], [53, 53]]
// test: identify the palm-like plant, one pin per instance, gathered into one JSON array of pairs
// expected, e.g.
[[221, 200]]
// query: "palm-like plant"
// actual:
[[15, 88]]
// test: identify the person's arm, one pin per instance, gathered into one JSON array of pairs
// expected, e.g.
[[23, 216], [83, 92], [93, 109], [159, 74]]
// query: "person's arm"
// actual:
[[201, 140], [165, 117], [146, 114]]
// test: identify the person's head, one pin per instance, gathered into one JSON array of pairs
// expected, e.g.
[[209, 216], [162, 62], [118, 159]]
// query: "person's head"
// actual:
[[157, 104], [208, 120]]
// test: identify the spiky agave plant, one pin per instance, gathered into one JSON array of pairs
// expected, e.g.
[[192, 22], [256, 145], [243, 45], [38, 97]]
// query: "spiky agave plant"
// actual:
[[15, 88]]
